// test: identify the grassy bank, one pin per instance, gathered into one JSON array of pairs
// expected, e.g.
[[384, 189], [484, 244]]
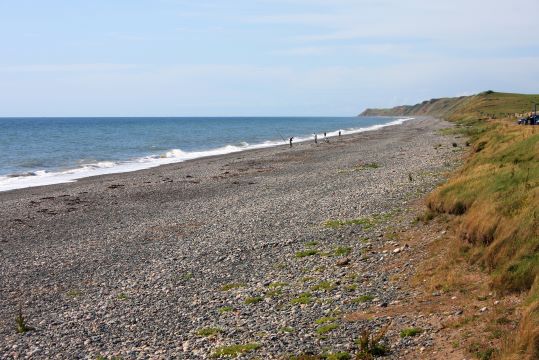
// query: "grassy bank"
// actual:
[[492, 202]]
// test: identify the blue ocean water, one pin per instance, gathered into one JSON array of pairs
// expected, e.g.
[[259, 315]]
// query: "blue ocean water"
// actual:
[[39, 151]]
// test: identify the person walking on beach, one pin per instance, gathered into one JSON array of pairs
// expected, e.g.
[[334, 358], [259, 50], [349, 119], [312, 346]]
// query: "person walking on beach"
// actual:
[[292, 138], [339, 133], [315, 139]]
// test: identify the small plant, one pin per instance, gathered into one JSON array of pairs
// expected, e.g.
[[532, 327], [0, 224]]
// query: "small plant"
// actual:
[[324, 329], [311, 243], [121, 297], [273, 293], [481, 351], [341, 355], [73, 293], [287, 329], [277, 285], [325, 319], [208, 331], [413, 331], [324, 286], [304, 298], [370, 346], [233, 351], [22, 327], [187, 276], [231, 286], [342, 251], [225, 309], [253, 300], [363, 299], [425, 217], [305, 253]]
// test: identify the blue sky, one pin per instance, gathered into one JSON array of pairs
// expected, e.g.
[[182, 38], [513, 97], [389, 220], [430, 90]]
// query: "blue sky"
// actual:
[[258, 57]]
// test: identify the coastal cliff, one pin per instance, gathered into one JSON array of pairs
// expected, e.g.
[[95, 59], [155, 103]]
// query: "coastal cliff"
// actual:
[[488, 104]]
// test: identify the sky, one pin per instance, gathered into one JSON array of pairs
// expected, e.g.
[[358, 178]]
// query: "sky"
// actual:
[[258, 57]]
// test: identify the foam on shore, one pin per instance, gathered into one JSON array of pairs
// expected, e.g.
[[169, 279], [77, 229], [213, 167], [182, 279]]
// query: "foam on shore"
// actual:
[[43, 177]]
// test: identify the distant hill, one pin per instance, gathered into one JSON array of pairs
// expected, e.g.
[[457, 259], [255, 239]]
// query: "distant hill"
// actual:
[[485, 104]]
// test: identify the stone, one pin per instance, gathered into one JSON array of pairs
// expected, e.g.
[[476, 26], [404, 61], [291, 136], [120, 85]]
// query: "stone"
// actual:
[[343, 262]]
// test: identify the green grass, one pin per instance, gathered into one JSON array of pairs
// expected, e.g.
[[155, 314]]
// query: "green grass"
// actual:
[[325, 319], [21, 325], [303, 298], [365, 222], [324, 329], [225, 309], [232, 286], [233, 351], [413, 331], [209, 331], [287, 330], [342, 251], [493, 197], [277, 285], [253, 300], [73, 293], [273, 293], [360, 167], [337, 356], [323, 286], [305, 253]]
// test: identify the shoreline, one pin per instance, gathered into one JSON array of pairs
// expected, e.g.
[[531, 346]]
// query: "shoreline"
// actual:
[[140, 264], [107, 167]]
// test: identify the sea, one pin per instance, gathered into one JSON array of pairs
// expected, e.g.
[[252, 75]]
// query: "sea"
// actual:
[[43, 151]]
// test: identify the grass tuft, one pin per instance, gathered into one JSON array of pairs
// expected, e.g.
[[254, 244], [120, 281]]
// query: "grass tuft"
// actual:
[[231, 286], [305, 253], [303, 298], [324, 329], [209, 331], [253, 300], [413, 331]]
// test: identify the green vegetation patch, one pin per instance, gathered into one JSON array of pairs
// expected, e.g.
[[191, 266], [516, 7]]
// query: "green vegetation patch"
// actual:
[[303, 298], [341, 355], [324, 329], [225, 309], [365, 222], [209, 331], [253, 300], [234, 350], [324, 286], [325, 319], [342, 251], [73, 293], [413, 331], [307, 252], [232, 286]]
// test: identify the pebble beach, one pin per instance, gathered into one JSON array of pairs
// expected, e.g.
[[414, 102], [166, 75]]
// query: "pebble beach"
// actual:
[[259, 254]]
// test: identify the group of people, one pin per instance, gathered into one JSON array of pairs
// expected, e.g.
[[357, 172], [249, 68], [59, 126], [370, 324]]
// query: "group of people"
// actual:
[[315, 138]]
